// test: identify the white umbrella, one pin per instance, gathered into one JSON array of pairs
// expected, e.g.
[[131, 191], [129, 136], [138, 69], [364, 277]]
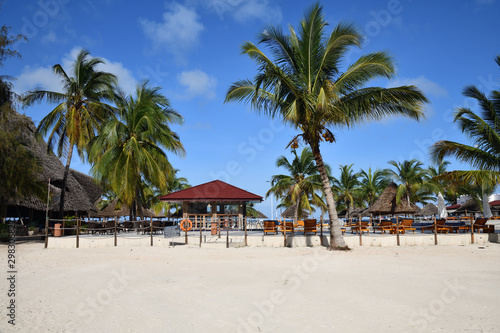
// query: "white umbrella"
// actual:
[[486, 206], [441, 207]]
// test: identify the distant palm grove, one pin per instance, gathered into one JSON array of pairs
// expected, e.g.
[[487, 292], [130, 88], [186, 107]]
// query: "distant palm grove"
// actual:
[[302, 80]]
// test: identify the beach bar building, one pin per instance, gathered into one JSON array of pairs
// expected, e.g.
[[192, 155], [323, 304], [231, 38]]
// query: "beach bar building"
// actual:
[[215, 201]]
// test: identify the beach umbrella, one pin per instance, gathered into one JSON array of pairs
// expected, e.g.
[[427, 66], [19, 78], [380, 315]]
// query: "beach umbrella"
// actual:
[[486, 207], [441, 207]]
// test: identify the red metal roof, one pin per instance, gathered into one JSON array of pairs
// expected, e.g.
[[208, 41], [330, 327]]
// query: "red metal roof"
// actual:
[[216, 190], [495, 203], [454, 206]]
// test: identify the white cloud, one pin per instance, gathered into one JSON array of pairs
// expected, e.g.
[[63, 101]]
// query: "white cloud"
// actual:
[[247, 10], [178, 31], [50, 37], [429, 87], [44, 77], [198, 84]]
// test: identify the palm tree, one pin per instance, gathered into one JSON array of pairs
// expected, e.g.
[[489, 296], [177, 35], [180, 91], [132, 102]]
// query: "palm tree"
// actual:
[[484, 130], [174, 184], [346, 187], [413, 182], [301, 186], [373, 183], [80, 110], [129, 151], [305, 86]]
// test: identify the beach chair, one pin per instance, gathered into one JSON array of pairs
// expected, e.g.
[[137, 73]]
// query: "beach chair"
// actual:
[[480, 224], [383, 226], [270, 226], [360, 226], [300, 224], [310, 226], [439, 226], [287, 227], [406, 225]]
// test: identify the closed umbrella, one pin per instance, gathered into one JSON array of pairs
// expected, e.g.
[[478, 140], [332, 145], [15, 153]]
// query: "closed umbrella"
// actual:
[[441, 207], [486, 207]]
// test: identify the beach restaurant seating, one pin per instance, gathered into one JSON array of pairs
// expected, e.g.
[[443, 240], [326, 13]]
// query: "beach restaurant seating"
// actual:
[[383, 226], [310, 226], [270, 226], [438, 225], [480, 224]]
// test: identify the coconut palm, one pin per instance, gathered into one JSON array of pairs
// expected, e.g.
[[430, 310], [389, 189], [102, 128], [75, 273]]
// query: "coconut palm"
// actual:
[[130, 149], [153, 193], [305, 86], [414, 185], [79, 112], [373, 183], [483, 129], [301, 186], [346, 187]]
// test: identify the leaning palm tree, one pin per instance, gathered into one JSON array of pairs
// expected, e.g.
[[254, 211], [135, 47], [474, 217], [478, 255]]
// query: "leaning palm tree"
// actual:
[[483, 130], [305, 86], [129, 151], [373, 183], [79, 112], [301, 186], [346, 187]]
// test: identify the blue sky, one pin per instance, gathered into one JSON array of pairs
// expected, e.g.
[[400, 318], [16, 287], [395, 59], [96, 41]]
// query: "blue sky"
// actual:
[[191, 49]]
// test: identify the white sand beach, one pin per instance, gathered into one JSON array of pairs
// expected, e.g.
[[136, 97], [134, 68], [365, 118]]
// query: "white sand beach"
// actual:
[[188, 289]]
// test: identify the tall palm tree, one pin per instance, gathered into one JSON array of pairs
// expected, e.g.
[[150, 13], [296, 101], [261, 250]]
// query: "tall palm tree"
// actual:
[[79, 112], [130, 149], [306, 87], [301, 186], [346, 187], [174, 183], [413, 182], [483, 129], [372, 184]]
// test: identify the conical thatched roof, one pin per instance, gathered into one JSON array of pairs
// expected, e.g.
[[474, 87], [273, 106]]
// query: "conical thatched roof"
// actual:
[[469, 206], [260, 215], [386, 203], [429, 209], [112, 211], [77, 198], [289, 213]]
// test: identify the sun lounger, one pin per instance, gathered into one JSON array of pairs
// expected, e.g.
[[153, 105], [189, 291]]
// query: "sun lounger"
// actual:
[[287, 227], [383, 226], [480, 224], [270, 226], [438, 225], [357, 227], [310, 226], [404, 225]]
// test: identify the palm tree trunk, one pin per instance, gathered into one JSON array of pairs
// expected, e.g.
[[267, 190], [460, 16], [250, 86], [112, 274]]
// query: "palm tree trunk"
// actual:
[[336, 238], [65, 181], [296, 212]]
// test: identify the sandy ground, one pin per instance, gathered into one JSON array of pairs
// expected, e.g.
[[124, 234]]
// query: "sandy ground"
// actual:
[[188, 289]]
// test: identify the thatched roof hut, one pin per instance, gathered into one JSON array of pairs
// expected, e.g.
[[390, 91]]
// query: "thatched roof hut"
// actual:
[[470, 206], [81, 192], [386, 203], [289, 213], [429, 209]]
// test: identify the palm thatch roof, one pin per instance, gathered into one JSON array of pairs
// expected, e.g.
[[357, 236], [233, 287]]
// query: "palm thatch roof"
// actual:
[[112, 211], [470, 206], [289, 213], [386, 203], [429, 209], [77, 195], [260, 215]]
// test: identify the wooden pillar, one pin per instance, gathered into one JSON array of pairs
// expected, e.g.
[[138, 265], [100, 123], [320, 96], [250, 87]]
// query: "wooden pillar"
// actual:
[[397, 229], [116, 220], [46, 231], [360, 236], [435, 232], [77, 233], [151, 230], [321, 229]]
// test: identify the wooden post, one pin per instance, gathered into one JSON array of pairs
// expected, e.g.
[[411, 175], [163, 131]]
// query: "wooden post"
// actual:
[[321, 229], [435, 232], [360, 237], [46, 231], [77, 232], [116, 219], [201, 230], [185, 236], [227, 234], [284, 231], [397, 229], [472, 230], [151, 230], [245, 222]]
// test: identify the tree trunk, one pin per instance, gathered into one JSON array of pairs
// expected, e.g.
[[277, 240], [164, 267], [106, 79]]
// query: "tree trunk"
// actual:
[[296, 212], [336, 238], [65, 181]]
